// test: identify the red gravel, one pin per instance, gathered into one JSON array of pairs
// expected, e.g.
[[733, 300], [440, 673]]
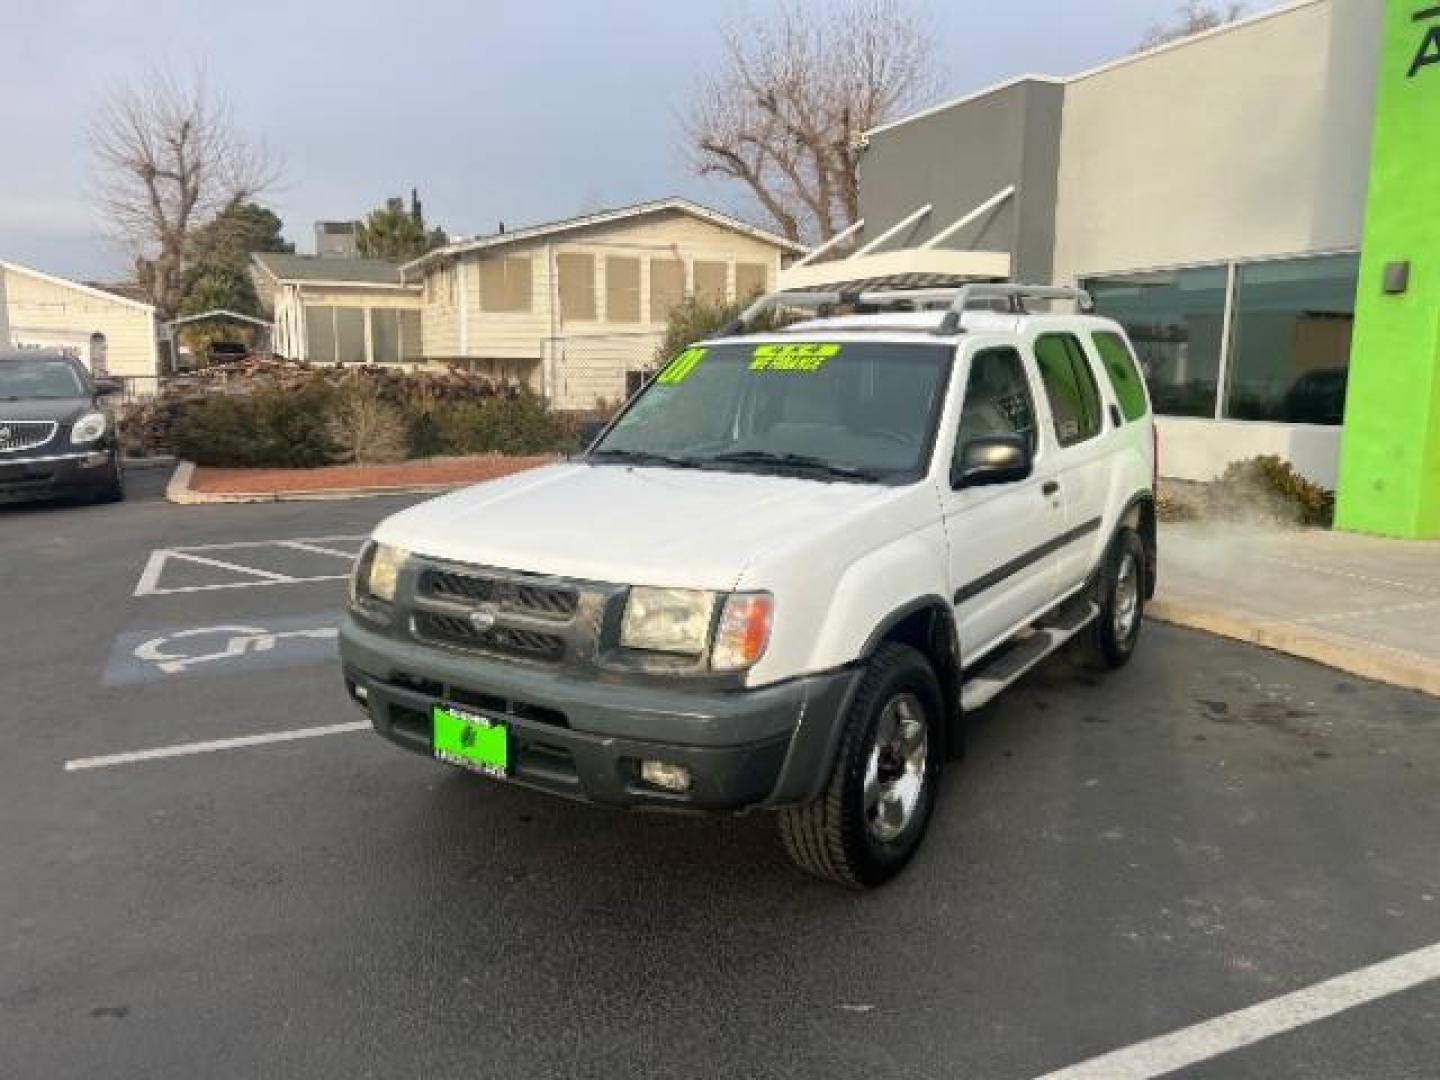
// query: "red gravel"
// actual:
[[408, 474]]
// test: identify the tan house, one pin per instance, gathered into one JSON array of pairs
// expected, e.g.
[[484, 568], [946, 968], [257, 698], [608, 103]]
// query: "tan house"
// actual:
[[576, 308], [339, 309], [112, 334]]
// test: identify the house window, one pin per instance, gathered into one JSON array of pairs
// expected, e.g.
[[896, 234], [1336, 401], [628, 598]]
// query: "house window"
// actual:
[[505, 284], [385, 335], [320, 334], [622, 289], [410, 341], [350, 335], [1290, 340], [667, 287], [710, 282], [750, 280], [1176, 320], [577, 286]]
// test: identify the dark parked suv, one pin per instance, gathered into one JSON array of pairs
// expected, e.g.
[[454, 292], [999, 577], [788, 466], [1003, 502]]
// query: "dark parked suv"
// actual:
[[55, 438]]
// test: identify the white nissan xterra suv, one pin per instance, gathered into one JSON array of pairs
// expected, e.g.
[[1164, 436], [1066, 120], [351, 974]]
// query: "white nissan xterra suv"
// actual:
[[785, 572]]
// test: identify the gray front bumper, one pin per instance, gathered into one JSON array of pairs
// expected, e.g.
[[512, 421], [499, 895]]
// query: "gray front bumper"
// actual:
[[584, 738]]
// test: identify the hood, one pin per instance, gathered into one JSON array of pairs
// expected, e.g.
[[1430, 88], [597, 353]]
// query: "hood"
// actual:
[[61, 410], [628, 525]]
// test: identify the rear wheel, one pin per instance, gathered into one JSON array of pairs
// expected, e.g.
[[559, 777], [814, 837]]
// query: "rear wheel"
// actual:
[[1121, 593], [870, 819]]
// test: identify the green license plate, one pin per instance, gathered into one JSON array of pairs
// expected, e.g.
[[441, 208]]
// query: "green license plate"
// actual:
[[472, 742]]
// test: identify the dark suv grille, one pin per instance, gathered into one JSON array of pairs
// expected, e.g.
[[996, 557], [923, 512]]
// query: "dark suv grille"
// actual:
[[501, 640], [25, 434], [540, 601]]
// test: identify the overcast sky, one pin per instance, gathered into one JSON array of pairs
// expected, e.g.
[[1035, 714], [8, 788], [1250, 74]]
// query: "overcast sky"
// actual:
[[519, 112]]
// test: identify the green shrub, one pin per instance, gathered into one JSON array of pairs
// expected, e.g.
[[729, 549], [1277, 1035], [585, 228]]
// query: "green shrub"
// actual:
[[515, 424], [280, 428]]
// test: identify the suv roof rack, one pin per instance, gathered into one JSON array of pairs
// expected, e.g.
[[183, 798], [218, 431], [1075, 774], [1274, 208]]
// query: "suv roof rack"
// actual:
[[956, 299]]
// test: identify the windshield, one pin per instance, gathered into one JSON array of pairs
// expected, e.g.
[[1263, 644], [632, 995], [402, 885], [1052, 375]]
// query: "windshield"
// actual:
[[39, 379], [857, 410]]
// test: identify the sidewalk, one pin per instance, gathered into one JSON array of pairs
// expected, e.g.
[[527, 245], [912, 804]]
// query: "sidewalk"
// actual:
[[1364, 605], [201, 484]]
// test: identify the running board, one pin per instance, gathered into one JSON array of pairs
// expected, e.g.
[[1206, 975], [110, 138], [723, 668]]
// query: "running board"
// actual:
[[1044, 638]]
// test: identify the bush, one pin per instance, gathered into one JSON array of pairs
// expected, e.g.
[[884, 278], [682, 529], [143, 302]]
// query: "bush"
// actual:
[[366, 429], [282, 415], [1269, 487], [282, 428]]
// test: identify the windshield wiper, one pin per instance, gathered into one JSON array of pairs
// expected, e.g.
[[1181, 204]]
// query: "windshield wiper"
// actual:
[[800, 462], [644, 457]]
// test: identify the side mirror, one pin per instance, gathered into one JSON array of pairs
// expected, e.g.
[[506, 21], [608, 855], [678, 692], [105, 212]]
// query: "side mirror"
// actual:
[[108, 387], [992, 459]]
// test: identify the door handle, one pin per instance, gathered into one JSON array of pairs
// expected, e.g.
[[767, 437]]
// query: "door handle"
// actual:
[[1050, 487]]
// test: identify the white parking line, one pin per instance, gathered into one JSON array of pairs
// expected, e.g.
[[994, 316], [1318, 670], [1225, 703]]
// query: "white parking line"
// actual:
[[151, 584], [1212, 1038], [211, 746]]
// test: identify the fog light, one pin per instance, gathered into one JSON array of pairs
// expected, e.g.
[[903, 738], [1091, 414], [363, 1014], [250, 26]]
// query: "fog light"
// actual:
[[94, 461], [665, 776]]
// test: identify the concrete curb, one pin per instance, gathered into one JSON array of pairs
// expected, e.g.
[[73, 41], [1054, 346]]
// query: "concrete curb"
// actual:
[[179, 491], [1366, 659]]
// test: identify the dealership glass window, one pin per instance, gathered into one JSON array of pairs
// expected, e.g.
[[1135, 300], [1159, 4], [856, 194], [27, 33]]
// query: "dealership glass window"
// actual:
[[1176, 320], [1290, 340]]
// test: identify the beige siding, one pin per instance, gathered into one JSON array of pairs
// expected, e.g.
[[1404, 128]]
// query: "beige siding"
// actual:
[[582, 360], [1190, 136], [55, 313]]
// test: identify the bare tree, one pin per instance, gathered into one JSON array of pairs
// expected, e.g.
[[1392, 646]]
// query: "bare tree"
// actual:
[[785, 112], [1193, 17], [169, 161]]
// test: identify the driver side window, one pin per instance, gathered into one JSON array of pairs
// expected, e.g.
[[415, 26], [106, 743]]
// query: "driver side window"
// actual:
[[997, 399]]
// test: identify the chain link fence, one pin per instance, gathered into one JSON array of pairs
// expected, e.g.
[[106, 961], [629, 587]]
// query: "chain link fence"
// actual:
[[598, 373]]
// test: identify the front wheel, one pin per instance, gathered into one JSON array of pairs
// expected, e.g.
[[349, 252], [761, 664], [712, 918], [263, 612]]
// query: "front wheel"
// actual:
[[1120, 591], [113, 490], [870, 819]]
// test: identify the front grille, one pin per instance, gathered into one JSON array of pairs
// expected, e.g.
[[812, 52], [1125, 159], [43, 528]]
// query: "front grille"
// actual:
[[500, 640], [25, 434], [523, 597]]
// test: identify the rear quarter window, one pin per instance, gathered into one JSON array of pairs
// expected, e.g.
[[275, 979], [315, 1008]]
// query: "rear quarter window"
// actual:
[[1124, 374]]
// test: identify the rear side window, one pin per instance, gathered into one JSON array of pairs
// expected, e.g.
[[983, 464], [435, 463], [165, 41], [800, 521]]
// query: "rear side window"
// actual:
[[1124, 375], [1070, 387]]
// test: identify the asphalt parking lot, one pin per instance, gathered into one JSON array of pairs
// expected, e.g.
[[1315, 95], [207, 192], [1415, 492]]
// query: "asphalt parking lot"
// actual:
[[1118, 858]]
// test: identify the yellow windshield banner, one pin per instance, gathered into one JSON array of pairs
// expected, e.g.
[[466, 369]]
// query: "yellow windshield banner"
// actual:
[[681, 367], [797, 357]]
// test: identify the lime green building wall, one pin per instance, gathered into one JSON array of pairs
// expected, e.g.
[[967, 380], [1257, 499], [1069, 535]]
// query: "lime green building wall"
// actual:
[[1390, 450]]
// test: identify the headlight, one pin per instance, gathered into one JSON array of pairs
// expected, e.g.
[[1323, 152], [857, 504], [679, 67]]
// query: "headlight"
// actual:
[[667, 620], [377, 572], [743, 632], [88, 428]]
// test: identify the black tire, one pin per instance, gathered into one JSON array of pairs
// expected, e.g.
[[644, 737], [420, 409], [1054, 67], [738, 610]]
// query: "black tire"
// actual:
[[833, 837], [113, 490], [1120, 591]]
